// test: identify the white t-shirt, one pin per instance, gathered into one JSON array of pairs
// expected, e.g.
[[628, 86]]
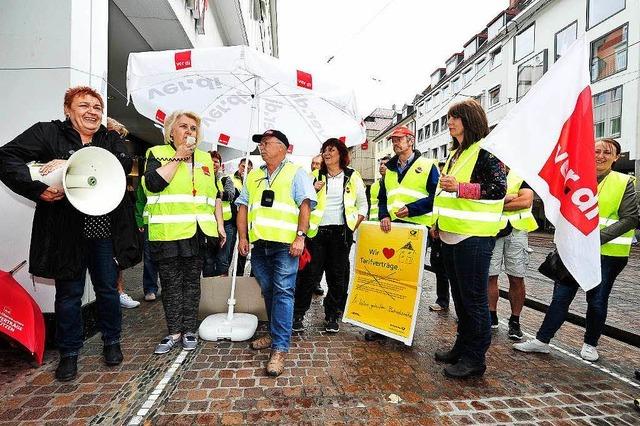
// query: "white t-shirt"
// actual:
[[334, 204]]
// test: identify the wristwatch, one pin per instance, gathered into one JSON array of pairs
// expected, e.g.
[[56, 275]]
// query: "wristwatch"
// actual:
[[301, 234]]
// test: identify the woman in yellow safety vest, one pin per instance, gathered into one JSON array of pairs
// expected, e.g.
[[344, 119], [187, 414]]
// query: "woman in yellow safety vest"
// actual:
[[183, 209], [466, 213], [618, 208], [342, 205]]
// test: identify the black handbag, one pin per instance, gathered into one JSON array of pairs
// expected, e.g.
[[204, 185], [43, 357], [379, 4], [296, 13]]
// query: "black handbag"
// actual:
[[553, 268]]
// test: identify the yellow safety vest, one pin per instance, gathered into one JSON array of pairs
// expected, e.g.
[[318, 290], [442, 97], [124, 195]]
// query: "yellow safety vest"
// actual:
[[523, 219], [412, 188], [373, 201], [226, 205], [279, 222], [349, 200], [610, 192], [463, 216], [176, 212]]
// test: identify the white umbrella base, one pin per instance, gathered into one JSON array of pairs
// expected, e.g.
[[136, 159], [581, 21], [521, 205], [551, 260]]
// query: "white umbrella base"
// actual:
[[237, 329]]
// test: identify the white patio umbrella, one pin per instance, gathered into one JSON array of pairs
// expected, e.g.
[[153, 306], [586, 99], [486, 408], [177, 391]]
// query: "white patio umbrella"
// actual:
[[239, 92]]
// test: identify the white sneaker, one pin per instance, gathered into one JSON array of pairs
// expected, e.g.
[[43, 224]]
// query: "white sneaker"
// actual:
[[589, 353], [150, 297], [127, 302], [533, 345]]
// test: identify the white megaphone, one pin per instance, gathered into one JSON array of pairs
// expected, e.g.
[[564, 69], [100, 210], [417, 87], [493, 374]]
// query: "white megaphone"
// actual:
[[93, 180]]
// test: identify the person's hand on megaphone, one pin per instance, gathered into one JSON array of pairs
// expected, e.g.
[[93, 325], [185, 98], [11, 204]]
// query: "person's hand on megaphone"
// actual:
[[52, 193], [51, 166]]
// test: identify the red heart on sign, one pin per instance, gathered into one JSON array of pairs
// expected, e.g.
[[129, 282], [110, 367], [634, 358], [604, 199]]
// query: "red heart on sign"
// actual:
[[388, 252]]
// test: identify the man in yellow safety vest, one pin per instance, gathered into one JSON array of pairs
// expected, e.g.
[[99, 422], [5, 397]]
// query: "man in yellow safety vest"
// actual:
[[512, 250], [273, 214], [407, 190]]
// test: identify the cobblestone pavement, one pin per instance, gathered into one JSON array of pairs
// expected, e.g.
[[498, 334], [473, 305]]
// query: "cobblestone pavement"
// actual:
[[623, 301], [329, 379]]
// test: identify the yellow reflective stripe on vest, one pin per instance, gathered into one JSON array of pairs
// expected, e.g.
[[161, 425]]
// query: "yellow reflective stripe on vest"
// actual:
[[469, 215], [182, 218], [417, 195], [283, 207], [180, 198], [274, 223], [480, 218], [610, 193], [454, 196]]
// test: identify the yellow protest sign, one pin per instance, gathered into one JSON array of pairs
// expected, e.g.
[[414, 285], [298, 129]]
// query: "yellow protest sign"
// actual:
[[387, 271]]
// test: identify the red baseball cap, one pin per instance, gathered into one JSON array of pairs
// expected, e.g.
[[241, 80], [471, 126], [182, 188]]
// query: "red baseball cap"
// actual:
[[400, 131]]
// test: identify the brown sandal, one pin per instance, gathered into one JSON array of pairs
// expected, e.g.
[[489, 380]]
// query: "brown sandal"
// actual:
[[263, 342], [275, 366]]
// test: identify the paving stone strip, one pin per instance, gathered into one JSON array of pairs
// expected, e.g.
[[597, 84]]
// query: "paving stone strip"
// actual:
[[157, 391]]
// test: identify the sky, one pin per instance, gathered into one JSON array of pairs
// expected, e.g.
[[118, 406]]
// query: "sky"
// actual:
[[385, 49]]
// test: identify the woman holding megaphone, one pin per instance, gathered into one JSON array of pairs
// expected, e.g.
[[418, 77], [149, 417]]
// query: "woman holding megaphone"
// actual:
[[65, 242], [183, 210]]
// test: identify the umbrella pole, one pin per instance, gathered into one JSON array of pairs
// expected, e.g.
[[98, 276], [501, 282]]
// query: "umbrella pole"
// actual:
[[234, 259]]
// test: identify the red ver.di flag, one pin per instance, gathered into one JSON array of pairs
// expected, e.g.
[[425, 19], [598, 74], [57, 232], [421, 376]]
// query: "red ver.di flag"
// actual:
[[548, 140]]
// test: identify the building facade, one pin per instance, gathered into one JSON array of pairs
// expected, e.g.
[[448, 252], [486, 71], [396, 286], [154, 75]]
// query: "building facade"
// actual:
[[363, 157], [500, 64]]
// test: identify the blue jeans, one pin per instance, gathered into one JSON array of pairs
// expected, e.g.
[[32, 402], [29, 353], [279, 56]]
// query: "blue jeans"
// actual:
[[68, 301], [150, 272], [467, 267], [223, 258], [276, 272], [597, 303]]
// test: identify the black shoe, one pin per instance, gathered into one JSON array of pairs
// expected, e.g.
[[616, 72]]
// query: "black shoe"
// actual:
[[67, 368], [372, 336], [450, 357], [318, 291], [463, 369], [514, 331], [332, 326], [494, 323], [297, 324], [112, 354]]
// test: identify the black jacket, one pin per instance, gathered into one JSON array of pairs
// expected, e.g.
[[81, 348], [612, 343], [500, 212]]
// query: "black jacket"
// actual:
[[57, 245]]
